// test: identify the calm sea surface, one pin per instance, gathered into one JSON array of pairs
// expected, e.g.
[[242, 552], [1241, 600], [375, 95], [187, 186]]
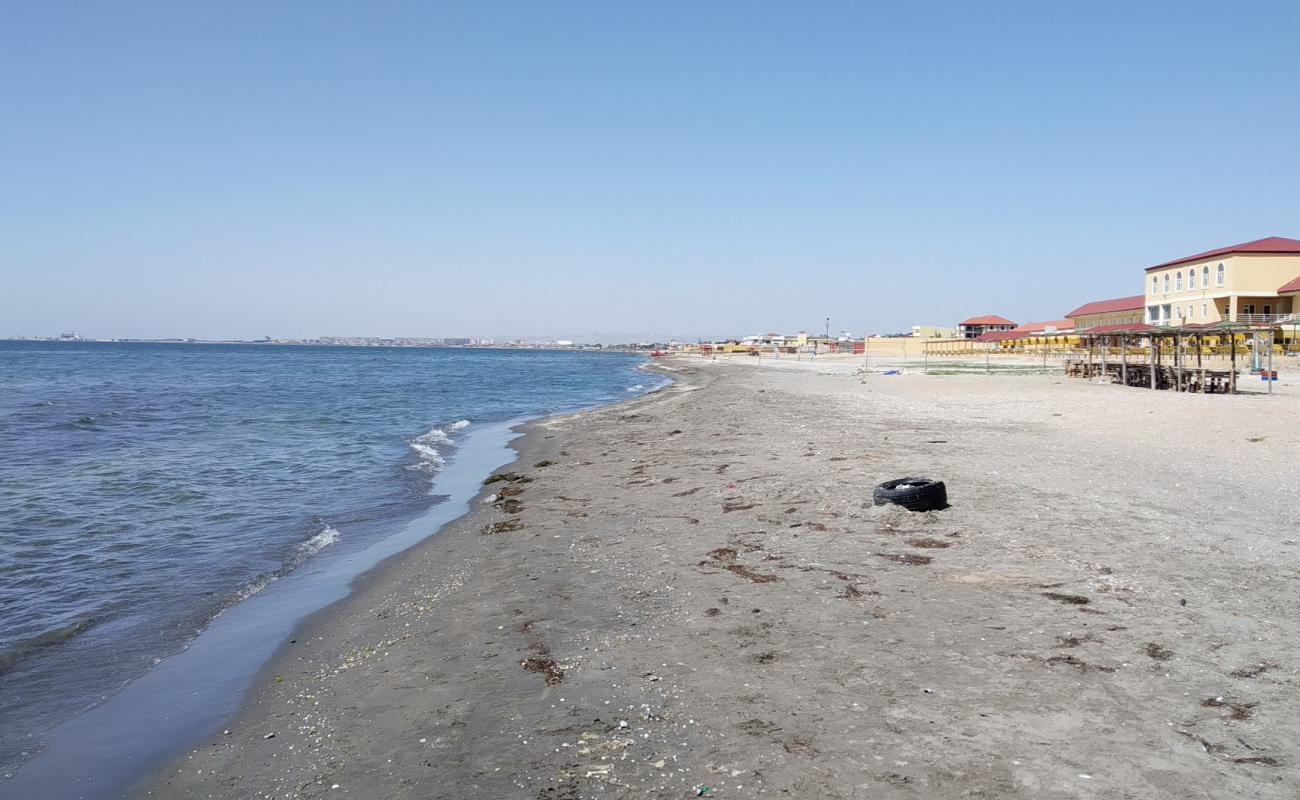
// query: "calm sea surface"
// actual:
[[144, 489]]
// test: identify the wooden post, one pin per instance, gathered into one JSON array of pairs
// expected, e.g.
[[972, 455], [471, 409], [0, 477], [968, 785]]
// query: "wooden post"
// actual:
[[1123, 359], [1153, 359], [1178, 362], [1270, 361], [1160, 352], [1232, 354], [1200, 362]]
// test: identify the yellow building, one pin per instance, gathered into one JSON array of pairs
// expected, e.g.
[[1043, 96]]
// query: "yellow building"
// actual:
[[1119, 311], [1241, 283], [933, 332]]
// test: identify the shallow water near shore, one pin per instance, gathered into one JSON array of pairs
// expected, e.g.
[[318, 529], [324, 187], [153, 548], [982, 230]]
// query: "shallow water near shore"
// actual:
[[158, 490], [104, 752]]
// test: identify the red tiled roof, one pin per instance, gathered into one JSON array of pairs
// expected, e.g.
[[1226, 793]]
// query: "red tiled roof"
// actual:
[[1134, 303], [1272, 244], [1034, 328], [990, 319], [1292, 286], [1140, 327], [996, 336]]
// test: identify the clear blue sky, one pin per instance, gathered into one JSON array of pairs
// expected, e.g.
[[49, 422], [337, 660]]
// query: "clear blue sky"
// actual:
[[567, 168]]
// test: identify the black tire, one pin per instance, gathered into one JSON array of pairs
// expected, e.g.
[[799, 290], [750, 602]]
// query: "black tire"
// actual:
[[914, 494]]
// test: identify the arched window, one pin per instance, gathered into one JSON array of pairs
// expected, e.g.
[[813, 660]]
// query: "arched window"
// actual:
[[1218, 280], [1191, 279], [1166, 283], [1205, 276], [1155, 284], [1178, 281], [1205, 307]]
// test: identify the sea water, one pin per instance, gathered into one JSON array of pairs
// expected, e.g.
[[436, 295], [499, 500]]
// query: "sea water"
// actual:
[[148, 489]]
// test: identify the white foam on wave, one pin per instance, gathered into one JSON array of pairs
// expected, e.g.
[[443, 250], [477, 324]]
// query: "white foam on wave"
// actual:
[[317, 543], [430, 458], [434, 437], [248, 590], [431, 446], [635, 388], [297, 557]]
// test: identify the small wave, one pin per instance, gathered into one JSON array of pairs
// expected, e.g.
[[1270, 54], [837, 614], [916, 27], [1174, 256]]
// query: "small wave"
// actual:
[[41, 641], [427, 446], [297, 557], [315, 544], [248, 590], [635, 388], [92, 421], [435, 437], [430, 459]]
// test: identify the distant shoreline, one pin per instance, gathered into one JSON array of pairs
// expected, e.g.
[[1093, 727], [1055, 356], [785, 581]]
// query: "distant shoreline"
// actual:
[[635, 349]]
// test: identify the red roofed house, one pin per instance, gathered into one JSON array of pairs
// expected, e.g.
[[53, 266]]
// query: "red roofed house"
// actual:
[[1054, 327], [975, 327], [1290, 289], [1241, 283], [1041, 332], [1119, 311]]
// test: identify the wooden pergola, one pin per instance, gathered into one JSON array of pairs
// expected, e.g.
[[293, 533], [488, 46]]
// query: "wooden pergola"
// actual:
[[1181, 374]]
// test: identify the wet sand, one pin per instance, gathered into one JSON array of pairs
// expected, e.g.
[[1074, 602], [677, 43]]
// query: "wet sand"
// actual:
[[690, 594]]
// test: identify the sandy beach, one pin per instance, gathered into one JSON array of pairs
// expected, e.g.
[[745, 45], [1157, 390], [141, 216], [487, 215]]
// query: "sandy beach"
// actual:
[[690, 594]]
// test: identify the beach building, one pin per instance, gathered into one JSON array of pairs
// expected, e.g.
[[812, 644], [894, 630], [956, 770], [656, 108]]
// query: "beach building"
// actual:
[[1048, 328], [1291, 290], [976, 327], [1116, 311], [1033, 336], [777, 340], [1253, 282], [934, 332]]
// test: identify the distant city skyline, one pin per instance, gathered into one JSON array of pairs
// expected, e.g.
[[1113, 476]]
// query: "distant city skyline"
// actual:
[[589, 338], [510, 169], [579, 337]]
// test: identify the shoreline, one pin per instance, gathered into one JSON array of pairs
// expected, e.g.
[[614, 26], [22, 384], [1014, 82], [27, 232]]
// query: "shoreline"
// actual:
[[699, 597], [527, 443], [88, 766], [318, 623]]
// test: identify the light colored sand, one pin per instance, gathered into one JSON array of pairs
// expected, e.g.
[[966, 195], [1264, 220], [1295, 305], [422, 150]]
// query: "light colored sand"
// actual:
[[724, 608], [842, 364]]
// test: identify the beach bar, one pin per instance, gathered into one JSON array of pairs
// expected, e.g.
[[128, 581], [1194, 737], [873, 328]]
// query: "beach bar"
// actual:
[[1177, 358]]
